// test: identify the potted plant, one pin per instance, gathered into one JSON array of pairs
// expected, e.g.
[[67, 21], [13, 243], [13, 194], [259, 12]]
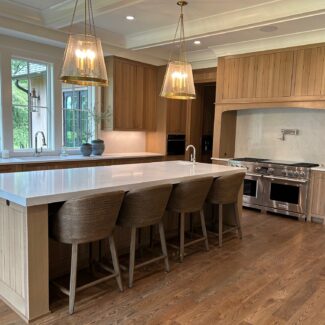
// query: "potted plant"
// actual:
[[98, 145], [86, 147]]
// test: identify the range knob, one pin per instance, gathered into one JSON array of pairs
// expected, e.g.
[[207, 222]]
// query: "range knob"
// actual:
[[302, 174], [258, 169], [290, 173], [270, 171], [296, 174], [284, 172]]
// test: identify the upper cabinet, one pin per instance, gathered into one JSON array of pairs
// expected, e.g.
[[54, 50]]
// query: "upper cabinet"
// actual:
[[176, 116], [131, 95], [286, 77], [256, 76], [309, 78]]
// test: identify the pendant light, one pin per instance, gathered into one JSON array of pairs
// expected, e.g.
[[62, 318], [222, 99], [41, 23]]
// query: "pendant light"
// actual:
[[83, 62], [178, 82]]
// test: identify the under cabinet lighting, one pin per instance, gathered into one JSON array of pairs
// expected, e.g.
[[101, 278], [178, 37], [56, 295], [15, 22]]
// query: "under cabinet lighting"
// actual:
[[130, 17]]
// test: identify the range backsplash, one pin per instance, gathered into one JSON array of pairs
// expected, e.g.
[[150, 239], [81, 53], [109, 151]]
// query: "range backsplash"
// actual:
[[258, 134]]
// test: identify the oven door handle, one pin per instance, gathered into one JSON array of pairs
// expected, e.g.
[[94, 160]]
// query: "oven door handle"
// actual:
[[292, 180]]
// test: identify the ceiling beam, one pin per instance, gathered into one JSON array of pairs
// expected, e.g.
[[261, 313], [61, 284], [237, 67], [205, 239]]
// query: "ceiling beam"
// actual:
[[57, 38], [59, 16], [270, 12]]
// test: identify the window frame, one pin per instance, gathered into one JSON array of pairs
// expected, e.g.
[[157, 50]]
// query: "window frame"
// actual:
[[50, 105]]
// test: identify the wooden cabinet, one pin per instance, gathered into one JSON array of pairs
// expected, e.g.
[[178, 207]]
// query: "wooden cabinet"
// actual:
[[309, 77], [176, 116], [131, 95], [316, 195], [10, 168], [256, 76], [205, 75]]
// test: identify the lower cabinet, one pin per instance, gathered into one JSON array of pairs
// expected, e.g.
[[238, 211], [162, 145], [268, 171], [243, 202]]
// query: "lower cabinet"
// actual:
[[75, 164], [317, 196]]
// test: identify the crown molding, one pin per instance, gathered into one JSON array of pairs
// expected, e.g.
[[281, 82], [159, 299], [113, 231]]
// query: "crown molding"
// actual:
[[59, 16], [270, 43], [270, 12]]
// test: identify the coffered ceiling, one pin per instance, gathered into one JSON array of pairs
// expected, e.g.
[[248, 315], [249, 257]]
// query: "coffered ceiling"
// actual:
[[223, 26]]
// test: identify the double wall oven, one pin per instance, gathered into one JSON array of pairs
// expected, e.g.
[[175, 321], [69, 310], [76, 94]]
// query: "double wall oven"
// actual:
[[276, 186]]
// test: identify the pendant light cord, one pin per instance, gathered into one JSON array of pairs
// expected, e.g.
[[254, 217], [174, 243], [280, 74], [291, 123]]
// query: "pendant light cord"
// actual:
[[182, 46]]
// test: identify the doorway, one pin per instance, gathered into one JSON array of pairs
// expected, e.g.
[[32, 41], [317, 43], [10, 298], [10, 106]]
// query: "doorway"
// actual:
[[201, 121]]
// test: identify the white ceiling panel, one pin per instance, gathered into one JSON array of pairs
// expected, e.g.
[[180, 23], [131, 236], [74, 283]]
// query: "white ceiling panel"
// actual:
[[38, 4]]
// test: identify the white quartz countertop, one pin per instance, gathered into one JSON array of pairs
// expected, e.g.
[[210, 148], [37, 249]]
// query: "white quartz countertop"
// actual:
[[48, 186], [45, 159]]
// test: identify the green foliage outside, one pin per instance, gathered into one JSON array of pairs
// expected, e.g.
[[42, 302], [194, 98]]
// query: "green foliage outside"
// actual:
[[20, 107]]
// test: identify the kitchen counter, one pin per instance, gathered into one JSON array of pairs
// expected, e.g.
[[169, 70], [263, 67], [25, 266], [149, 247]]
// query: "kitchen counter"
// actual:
[[24, 224], [319, 168], [48, 186], [45, 159]]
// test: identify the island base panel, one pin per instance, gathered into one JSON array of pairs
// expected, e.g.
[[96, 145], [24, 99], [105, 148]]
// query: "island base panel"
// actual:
[[24, 259]]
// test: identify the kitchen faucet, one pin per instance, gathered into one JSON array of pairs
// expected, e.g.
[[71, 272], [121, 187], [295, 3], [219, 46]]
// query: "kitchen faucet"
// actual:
[[193, 156], [37, 153]]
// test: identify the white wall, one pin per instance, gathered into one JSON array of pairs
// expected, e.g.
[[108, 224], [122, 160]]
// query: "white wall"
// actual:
[[258, 133]]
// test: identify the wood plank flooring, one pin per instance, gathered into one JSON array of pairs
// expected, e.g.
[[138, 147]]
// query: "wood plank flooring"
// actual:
[[275, 275]]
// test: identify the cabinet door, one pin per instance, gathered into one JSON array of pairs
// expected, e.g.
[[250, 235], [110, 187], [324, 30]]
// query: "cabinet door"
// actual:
[[176, 116], [150, 98], [274, 74], [309, 78], [128, 96], [317, 204]]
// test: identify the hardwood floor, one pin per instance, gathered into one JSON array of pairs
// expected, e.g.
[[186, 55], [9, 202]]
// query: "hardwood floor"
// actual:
[[275, 275]]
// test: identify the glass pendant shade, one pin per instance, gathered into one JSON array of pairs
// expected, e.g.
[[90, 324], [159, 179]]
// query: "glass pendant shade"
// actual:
[[84, 61], [178, 82]]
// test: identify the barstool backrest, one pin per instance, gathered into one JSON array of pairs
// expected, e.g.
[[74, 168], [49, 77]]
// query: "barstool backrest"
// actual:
[[225, 189], [189, 196], [87, 219], [144, 207]]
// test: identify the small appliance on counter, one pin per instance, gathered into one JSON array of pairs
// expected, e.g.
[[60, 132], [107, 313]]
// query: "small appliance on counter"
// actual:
[[276, 186]]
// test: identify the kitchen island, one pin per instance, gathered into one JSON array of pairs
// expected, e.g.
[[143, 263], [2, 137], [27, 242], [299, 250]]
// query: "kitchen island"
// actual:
[[24, 202]]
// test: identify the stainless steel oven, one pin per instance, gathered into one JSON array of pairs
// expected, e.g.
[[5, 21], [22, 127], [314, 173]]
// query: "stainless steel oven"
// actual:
[[253, 190], [282, 194], [276, 186]]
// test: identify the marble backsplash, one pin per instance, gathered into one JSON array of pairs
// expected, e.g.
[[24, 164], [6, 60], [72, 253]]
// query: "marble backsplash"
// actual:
[[258, 134]]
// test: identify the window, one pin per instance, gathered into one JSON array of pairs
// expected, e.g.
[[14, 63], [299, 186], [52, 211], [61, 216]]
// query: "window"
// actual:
[[78, 115], [31, 101]]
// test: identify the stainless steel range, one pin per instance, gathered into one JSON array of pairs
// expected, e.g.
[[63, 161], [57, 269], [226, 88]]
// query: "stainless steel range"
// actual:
[[276, 186]]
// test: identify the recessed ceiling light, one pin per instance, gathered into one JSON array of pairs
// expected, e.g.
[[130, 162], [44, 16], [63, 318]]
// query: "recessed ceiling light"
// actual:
[[129, 17], [197, 42], [268, 29]]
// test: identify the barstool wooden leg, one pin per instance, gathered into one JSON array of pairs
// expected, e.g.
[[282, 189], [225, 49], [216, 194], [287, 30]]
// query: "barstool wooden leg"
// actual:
[[73, 277], [240, 234], [204, 230], [163, 245], [116, 264], [220, 224], [181, 236], [132, 255]]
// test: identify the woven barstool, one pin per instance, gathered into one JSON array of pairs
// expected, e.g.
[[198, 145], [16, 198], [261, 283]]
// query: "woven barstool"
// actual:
[[142, 208], [86, 220], [225, 190], [189, 197]]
